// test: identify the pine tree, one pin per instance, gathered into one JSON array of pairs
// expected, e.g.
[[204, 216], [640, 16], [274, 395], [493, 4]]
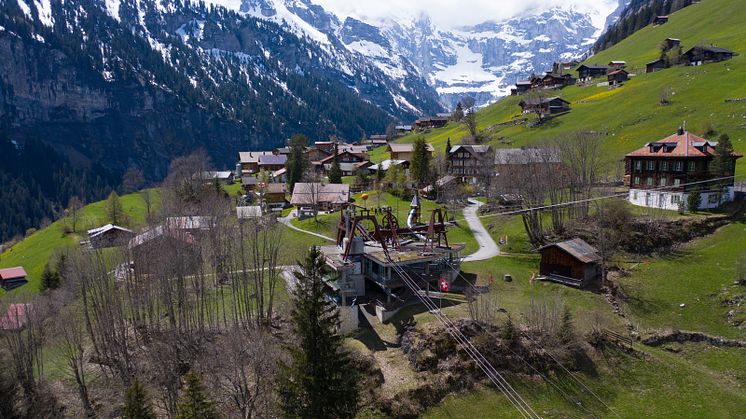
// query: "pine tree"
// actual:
[[448, 146], [137, 402], [296, 164], [114, 208], [420, 165], [319, 381], [335, 172], [722, 164], [195, 404], [50, 279]]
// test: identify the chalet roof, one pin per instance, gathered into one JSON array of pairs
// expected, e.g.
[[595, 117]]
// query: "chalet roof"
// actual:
[[659, 60], [16, 317], [406, 147], [249, 180], [280, 172], [614, 62], [315, 193], [474, 149], [711, 48], [403, 127], [526, 156], [191, 222], [276, 188], [533, 101], [272, 160], [160, 231], [578, 249], [252, 156], [105, 229], [384, 165], [681, 144], [594, 67], [253, 211], [620, 71], [523, 83], [12, 273], [216, 174]]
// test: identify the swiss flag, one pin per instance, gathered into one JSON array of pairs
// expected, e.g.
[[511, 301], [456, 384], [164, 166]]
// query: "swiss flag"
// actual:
[[443, 284]]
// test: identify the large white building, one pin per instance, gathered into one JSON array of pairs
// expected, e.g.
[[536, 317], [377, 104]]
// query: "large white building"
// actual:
[[663, 173]]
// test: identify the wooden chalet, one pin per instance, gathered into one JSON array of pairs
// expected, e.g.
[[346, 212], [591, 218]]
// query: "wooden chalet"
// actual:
[[557, 80], [321, 197], [572, 262], [109, 236], [274, 195], [660, 20], [224, 177], [468, 162], [657, 65], [706, 54], [16, 317], [272, 162], [249, 183], [544, 106], [617, 77], [658, 173], [429, 123], [521, 87], [399, 151], [671, 43], [617, 65], [588, 72], [402, 130], [165, 251], [249, 161], [11, 278], [348, 162]]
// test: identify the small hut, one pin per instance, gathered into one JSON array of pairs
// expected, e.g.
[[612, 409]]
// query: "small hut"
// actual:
[[572, 262]]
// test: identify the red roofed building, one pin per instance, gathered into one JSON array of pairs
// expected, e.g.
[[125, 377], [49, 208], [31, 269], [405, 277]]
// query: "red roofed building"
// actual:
[[15, 317], [12, 278], [661, 174]]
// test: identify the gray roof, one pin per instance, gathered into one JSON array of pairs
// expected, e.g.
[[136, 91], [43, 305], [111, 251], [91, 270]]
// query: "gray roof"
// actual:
[[253, 211], [109, 227], [472, 148], [273, 160], [252, 156], [578, 249], [313, 193], [526, 155], [539, 100], [712, 48]]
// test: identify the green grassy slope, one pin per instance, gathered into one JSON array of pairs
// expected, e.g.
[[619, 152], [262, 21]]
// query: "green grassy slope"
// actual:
[[34, 251], [631, 115]]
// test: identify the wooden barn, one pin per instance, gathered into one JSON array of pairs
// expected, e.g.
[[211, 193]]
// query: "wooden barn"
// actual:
[[11, 278], [109, 236], [706, 54], [588, 72], [657, 65], [617, 77], [572, 262]]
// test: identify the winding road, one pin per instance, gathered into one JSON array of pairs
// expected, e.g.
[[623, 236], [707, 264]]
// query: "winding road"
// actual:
[[487, 246]]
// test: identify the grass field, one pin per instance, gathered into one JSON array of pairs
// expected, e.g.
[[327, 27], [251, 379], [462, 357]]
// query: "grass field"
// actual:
[[631, 116], [35, 250]]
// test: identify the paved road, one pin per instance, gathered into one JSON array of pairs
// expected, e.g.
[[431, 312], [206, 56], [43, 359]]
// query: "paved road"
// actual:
[[286, 221], [487, 246]]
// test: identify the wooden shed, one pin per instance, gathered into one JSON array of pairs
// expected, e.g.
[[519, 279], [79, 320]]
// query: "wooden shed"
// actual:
[[109, 236], [572, 262]]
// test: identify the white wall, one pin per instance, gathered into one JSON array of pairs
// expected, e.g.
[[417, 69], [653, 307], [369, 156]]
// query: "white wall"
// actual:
[[348, 321], [668, 200]]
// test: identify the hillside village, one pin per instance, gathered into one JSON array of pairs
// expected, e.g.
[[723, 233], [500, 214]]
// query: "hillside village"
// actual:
[[579, 244]]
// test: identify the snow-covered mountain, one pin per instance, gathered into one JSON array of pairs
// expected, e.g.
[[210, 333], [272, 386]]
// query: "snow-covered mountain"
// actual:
[[481, 61]]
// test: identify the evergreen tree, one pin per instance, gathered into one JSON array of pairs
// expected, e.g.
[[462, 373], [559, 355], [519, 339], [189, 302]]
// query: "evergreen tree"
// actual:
[[195, 404], [335, 172], [320, 381], [297, 161], [114, 209], [50, 279], [420, 165], [458, 114], [137, 402], [722, 164], [694, 201], [448, 146]]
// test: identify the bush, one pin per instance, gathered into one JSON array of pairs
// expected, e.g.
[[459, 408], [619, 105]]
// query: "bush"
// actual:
[[693, 201]]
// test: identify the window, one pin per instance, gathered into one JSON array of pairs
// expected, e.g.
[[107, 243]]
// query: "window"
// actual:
[[638, 165], [678, 166], [649, 181], [692, 166], [637, 180], [663, 181], [664, 166], [712, 198], [675, 199], [634, 195], [677, 182], [650, 165]]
